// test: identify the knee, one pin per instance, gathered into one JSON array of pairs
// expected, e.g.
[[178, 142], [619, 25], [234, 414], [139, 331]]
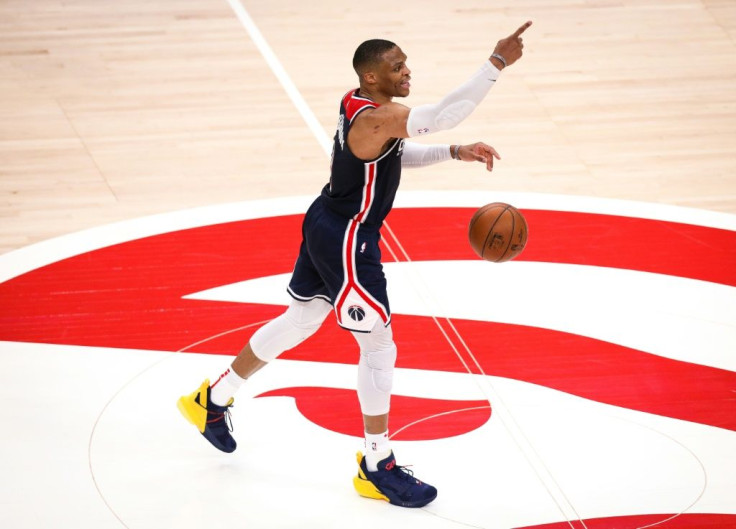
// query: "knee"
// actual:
[[307, 316], [299, 322], [380, 366]]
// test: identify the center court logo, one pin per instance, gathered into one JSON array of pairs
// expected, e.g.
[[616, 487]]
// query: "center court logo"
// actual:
[[133, 294]]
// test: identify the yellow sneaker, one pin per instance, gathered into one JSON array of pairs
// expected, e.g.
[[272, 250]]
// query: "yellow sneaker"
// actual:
[[212, 421]]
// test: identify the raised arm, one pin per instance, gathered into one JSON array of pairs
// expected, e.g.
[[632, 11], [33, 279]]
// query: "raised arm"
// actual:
[[460, 103], [374, 128]]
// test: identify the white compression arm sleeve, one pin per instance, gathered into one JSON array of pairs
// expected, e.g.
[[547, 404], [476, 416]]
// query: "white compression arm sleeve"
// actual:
[[454, 107], [419, 155]]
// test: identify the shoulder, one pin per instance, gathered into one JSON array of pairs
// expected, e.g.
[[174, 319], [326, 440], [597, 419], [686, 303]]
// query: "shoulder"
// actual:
[[385, 114], [355, 104]]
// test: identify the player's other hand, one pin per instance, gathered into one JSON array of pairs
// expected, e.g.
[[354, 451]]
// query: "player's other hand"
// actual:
[[478, 152]]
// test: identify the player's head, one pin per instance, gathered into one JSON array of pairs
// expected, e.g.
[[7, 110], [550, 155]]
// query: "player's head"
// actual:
[[370, 53], [381, 65]]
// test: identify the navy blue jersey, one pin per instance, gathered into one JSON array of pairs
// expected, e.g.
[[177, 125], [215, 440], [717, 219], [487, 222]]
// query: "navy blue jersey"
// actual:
[[362, 190], [339, 259]]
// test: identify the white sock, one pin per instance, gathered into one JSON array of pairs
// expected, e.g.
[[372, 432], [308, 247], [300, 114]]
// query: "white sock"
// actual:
[[225, 387], [377, 448]]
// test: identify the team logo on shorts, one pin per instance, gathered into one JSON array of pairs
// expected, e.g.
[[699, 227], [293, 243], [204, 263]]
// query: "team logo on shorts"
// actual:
[[356, 312]]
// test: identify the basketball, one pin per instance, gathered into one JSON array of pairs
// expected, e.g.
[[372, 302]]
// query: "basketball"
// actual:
[[497, 232]]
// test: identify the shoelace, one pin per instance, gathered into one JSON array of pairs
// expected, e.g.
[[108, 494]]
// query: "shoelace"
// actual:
[[406, 471], [404, 475], [224, 415], [219, 416]]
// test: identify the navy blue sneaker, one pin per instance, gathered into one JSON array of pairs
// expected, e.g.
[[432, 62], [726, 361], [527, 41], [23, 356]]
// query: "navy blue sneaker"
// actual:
[[212, 421], [392, 483]]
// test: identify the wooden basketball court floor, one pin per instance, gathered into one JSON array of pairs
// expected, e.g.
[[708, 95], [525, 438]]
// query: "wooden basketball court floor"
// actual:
[[155, 159]]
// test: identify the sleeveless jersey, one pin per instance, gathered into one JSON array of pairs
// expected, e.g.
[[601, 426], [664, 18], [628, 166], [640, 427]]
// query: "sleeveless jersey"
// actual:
[[362, 190]]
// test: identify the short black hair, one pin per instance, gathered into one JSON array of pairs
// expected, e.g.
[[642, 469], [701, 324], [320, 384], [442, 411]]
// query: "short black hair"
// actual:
[[369, 53]]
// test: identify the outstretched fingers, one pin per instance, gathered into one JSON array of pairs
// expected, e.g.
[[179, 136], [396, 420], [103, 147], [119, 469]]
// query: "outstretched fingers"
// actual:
[[484, 153]]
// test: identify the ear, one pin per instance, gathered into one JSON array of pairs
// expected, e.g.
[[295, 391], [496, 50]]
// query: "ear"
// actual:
[[369, 78]]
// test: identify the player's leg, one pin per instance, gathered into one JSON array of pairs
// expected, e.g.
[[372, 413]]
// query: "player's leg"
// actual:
[[300, 321], [207, 407], [375, 381], [362, 307], [378, 475]]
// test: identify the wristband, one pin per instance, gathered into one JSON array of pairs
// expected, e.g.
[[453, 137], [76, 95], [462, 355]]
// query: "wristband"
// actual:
[[500, 58], [456, 154]]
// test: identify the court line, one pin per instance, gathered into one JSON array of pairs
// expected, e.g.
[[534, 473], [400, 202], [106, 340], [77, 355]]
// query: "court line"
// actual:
[[316, 128], [503, 414], [155, 363], [435, 416], [283, 77]]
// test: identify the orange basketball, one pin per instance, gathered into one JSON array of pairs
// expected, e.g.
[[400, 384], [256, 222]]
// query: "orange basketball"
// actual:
[[497, 232]]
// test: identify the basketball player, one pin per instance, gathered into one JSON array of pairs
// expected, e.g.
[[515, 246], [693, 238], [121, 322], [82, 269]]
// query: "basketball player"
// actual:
[[339, 268]]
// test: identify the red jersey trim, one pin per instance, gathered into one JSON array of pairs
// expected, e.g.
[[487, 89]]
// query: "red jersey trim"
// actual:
[[355, 104], [349, 248]]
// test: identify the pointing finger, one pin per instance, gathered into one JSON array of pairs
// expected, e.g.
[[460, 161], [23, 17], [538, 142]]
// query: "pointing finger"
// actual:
[[521, 29]]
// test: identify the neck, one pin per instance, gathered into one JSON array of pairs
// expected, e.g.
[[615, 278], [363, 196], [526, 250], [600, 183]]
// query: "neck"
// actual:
[[378, 98]]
